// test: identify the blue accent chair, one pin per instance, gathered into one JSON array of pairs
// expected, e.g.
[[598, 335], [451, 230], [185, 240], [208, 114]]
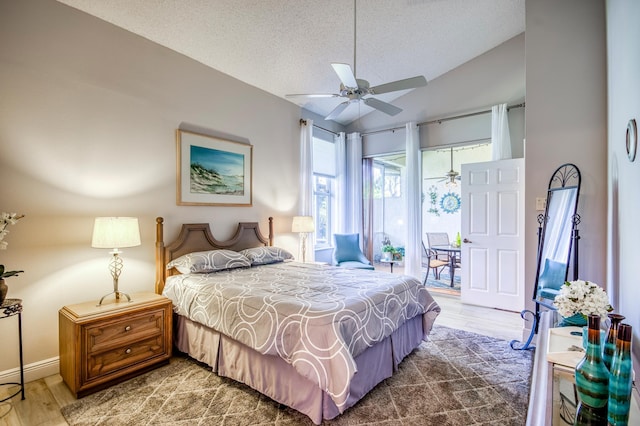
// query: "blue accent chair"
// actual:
[[347, 253], [552, 279]]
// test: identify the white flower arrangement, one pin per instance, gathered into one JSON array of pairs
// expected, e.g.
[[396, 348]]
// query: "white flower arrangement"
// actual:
[[7, 219], [582, 297]]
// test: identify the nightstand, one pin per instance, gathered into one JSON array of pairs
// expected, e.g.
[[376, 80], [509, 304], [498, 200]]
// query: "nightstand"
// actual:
[[106, 344]]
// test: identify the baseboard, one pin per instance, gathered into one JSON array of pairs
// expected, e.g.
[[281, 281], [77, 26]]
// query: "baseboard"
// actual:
[[34, 371]]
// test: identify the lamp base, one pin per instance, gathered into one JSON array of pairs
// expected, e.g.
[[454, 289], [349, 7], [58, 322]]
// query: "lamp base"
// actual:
[[115, 266], [117, 293]]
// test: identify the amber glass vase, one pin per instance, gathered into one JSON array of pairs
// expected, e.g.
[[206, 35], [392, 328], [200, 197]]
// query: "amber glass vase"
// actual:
[[610, 344], [592, 380], [620, 381]]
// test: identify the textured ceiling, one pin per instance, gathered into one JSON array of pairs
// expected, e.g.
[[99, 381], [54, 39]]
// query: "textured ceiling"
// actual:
[[287, 46]]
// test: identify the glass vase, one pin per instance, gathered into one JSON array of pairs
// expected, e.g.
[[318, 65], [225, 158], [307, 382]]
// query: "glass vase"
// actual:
[[612, 335], [620, 379], [592, 380]]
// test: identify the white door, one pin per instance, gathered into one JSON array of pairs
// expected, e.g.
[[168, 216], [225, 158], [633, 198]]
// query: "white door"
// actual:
[[492, 253]]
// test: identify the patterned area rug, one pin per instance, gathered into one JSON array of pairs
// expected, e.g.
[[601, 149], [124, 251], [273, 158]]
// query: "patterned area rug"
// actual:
[[444, 282], [456, 378]]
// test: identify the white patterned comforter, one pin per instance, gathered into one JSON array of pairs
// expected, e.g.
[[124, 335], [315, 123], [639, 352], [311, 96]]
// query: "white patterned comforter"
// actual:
[[315, 317]]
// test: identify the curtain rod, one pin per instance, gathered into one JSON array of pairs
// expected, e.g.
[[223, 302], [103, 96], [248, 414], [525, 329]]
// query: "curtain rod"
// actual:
[[303, 121], [441, 120]]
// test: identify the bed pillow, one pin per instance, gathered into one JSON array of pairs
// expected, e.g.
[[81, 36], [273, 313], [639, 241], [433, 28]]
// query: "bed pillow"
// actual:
[[266, 255], [209, 261]]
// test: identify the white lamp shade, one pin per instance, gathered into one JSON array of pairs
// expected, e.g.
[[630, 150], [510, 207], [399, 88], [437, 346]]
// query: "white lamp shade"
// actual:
[[302, 224], [115, 232]]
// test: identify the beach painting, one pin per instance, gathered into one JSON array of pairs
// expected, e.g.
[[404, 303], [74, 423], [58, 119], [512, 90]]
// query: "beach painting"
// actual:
[[213, 171]]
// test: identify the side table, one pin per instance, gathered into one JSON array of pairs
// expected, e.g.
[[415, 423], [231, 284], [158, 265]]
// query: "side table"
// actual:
[[9, 308], [390, 263]]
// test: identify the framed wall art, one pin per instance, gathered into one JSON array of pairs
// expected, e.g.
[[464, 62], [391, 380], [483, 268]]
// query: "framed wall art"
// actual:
[[212, 171]]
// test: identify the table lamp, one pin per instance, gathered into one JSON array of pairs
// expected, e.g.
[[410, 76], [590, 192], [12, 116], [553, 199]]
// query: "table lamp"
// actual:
[[303, 225], [115, 233]]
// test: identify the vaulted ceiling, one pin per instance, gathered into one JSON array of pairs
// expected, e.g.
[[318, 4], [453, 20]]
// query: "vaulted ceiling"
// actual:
[[287, 46]]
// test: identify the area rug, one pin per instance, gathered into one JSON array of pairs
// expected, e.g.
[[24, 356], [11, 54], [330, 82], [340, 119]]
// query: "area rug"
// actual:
[[455, 378], [444, 282]]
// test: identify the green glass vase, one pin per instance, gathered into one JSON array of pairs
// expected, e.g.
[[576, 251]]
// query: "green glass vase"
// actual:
[[592, 380], [620, 380]]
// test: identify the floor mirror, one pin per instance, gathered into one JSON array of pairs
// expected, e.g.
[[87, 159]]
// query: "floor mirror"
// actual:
[[557, 243]]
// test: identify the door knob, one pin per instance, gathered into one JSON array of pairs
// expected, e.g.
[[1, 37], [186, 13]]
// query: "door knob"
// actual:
[[466, 241]]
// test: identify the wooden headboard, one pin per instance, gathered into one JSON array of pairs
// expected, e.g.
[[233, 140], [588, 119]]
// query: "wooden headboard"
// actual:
[[197, 237]]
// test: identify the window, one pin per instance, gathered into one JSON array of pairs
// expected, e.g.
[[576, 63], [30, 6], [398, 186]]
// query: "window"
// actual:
[[322, 208], [324, 173]]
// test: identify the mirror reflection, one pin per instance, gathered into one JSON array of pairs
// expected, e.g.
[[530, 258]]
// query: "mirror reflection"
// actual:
[[557, 234]]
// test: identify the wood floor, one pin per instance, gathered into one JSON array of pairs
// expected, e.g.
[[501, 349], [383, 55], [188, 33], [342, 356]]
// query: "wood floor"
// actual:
[[44, 397]]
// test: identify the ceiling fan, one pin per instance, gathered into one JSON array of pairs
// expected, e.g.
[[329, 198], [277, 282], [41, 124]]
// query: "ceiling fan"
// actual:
[[356, 89], [451, 176]]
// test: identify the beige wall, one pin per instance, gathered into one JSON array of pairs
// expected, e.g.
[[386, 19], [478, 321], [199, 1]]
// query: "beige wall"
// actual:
[[566, 120], [88, 114]]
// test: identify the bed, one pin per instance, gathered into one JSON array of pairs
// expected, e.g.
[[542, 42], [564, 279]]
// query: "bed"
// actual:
[[313, 337]]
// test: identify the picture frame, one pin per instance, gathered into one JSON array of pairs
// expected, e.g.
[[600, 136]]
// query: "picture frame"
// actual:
[[212, 171], [397, 257]]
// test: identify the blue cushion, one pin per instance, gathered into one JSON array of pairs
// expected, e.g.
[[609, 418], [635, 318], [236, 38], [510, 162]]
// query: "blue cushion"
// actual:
[[355, 265], [347, 249]]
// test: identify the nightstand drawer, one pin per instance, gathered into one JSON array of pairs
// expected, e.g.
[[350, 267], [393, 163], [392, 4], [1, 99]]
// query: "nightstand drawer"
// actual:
[[121, 331], [103, 363]]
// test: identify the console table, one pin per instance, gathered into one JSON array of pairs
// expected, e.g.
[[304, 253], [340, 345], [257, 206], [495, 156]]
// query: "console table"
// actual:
[[9, 308], [553, 400]]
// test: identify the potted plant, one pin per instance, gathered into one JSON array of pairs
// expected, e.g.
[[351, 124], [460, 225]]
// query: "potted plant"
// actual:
[[387, 252]]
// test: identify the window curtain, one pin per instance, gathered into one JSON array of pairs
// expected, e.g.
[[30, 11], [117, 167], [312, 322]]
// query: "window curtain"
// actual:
[[341, 184], [500, 139], [367, 207], [353, 206], [306, 182], [413, 200]]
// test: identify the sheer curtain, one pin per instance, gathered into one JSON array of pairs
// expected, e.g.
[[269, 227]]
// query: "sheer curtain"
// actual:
[[413, 198], [341, 184], [353, 206], [500, 139], [367, 207], [306, 180]]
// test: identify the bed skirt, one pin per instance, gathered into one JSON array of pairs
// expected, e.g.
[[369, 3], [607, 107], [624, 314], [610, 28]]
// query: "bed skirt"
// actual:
[[273, 377]]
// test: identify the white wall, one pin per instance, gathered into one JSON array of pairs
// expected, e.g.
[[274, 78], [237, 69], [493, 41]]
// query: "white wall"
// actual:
[[623, 34], [88, 114], [566, 120], [495, 77]]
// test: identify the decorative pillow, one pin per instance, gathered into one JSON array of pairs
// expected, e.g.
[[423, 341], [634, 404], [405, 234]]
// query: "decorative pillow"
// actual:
[[266, 255], [209, 261]]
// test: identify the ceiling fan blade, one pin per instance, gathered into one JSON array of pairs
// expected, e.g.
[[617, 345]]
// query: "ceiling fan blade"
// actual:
[[345, 74], [407, 83], [337, 111], [312, 95], [382, 106]]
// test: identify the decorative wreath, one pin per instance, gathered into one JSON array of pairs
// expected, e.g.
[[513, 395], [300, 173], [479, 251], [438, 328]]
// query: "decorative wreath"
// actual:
[[450, 202]]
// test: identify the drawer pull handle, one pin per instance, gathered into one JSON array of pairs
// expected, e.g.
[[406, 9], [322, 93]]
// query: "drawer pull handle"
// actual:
[[127, 328], [128, 351]]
